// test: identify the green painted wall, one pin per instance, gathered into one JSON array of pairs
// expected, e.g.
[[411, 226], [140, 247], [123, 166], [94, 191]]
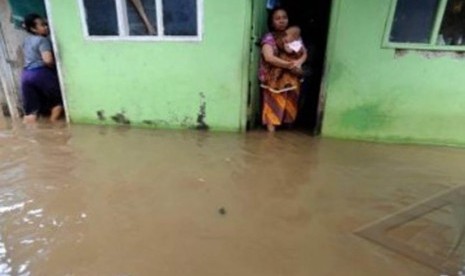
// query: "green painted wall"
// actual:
[[374, 94], [159, 82]]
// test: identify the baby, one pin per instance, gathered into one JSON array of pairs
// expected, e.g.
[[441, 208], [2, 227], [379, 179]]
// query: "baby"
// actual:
[[293, 45], [291, 48]]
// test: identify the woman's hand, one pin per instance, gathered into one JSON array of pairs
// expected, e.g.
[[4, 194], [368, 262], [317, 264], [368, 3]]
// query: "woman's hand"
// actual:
[[290, 65], [294, 65], [297, 64]]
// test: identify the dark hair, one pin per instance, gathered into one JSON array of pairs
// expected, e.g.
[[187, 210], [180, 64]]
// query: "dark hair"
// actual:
[[271, 13], [30, 22]]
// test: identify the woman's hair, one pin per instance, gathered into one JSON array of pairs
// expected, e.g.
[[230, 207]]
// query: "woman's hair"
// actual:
[[30, 22], [271, 15]]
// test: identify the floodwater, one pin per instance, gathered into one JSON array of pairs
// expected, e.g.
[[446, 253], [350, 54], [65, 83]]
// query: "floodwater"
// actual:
[[115, 201]]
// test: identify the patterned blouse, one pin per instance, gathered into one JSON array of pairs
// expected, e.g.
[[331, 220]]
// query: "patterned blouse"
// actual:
[[267, 39]]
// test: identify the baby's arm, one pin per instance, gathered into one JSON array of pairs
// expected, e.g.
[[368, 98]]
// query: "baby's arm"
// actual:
[[303, 56]]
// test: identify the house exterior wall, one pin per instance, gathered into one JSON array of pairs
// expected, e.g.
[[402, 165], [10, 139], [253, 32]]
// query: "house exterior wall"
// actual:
[[376, 93], [158, 84]]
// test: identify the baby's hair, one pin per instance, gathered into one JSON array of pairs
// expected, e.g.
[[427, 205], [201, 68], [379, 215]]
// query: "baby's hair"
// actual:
[[294, 28]]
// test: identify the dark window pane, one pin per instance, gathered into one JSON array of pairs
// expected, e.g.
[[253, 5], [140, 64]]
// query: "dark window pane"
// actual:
[[21, 8], [414, 20], [453, 25], [180, 17], [101, 17], [136, 24]]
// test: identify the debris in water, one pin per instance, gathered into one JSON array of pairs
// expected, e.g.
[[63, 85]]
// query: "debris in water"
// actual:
[[27, 242], [7, 209], [222, 211], [35, 212]]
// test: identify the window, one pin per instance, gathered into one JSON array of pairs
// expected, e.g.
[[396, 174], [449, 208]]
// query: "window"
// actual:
[[426, 24], [178, 20]]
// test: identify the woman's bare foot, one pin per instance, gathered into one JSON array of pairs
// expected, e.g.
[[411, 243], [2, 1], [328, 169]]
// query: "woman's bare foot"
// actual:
[[57, 111], [271, 128], [30, 119]]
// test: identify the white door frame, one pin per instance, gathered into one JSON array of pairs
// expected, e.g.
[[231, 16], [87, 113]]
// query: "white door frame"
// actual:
[[48, 7], [7, 79]]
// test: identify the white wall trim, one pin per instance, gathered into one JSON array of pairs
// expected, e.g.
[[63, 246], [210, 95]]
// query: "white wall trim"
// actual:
[[200, 19], [7, 79], [122, 17], [58, 62], [83, 15], [160, 23], [145, 38], [124, 28]]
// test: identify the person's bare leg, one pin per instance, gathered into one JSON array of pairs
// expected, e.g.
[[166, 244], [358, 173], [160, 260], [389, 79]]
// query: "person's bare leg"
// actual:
[[57, 111], [30, 119], [271, 128]]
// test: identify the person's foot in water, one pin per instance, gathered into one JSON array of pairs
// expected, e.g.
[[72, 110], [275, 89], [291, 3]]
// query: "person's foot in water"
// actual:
[[56, 113]]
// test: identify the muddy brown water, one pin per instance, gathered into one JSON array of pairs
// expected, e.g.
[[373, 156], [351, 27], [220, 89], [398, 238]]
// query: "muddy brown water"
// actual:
[[114, 201]]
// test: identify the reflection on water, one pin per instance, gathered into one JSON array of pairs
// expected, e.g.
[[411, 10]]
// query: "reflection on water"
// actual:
[[441, 213], [5, 268], [109, 201]]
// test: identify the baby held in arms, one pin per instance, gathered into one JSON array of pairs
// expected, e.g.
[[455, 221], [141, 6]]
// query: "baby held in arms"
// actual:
[[291, 48], [292, 44]]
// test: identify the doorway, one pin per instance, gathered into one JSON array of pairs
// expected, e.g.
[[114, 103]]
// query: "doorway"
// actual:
[[11, 62], [313, 17]]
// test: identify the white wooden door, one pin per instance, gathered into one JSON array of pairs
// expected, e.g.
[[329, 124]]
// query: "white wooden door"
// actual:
[[11, 60]]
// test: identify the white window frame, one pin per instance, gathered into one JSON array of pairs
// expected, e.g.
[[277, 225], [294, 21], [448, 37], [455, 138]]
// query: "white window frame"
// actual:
[[123, 25], [432, 45]]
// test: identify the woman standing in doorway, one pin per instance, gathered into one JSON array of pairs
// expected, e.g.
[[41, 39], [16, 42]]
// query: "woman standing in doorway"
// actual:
[[39, 81], [279, 107]]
